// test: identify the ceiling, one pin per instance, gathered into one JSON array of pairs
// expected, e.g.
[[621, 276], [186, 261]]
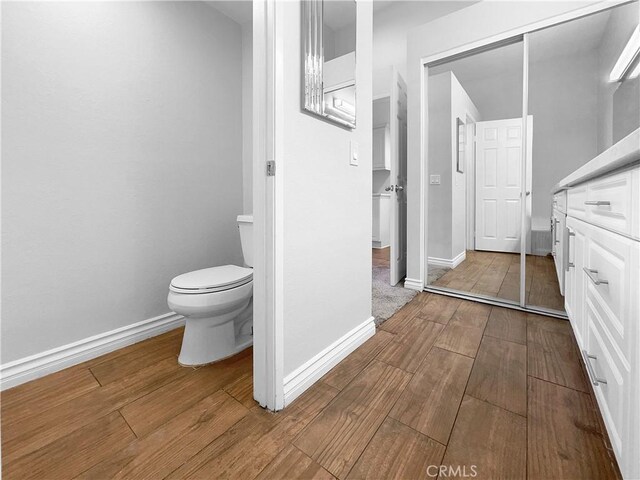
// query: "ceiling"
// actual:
[[571, 38], [240, 11]]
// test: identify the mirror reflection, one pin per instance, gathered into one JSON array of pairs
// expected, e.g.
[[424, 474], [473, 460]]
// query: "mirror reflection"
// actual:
[[330, 59], [475, 178], [579, 111], [583, 98]]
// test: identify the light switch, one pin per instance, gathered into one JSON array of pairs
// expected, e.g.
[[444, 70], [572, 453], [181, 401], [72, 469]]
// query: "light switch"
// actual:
[[353, 158], [434, 179]]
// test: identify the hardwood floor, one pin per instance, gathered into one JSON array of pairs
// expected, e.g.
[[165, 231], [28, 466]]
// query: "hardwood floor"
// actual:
[[498, 275], [444, 383], [381, 256]]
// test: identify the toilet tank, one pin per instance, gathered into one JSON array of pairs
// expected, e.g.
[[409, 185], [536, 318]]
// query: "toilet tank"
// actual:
[[245, 226]]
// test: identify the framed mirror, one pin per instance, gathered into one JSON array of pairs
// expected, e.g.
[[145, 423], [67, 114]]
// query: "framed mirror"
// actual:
[[329, 64]]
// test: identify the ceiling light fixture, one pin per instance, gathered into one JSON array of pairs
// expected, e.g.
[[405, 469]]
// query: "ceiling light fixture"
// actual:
[[636, 71], [628, 55]]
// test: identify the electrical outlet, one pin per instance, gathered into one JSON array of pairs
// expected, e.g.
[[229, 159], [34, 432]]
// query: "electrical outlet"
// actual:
[[434, 179], [353, 157]]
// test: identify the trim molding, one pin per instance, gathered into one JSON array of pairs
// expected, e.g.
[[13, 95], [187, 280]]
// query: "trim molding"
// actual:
[[413, 284], [446, 262], [308, 373], [41, 364]]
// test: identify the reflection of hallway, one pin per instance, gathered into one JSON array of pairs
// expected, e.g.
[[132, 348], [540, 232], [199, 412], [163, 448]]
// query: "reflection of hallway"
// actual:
[[498, 275]]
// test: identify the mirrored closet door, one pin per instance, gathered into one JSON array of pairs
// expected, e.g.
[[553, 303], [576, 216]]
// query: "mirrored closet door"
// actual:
[[496, 226], [578, 112], [475, 175]]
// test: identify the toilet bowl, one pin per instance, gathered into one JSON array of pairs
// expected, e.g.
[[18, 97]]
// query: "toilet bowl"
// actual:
[[217, 304]]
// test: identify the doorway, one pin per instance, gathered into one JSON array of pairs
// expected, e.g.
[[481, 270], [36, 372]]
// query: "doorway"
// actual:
[[389, 197]]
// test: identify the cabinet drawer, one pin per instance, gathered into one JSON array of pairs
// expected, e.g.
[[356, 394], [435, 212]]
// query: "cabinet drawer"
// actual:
[[611, 284], [604, 365], [576, 198], [560, 201], [610, 203]]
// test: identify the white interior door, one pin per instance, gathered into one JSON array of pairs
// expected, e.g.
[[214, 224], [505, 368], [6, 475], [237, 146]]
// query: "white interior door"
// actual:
[[499, 183], [398, 217]]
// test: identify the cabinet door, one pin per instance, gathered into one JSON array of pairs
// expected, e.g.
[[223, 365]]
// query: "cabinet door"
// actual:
[[375, 234], [559, 221], [379, 148], [577, 233]]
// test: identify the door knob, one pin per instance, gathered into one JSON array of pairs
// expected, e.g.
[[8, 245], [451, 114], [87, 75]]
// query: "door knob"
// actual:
[[387, 189], [399, 188]]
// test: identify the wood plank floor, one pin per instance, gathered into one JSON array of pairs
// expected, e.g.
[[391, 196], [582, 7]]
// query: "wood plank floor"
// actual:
[[498, 275], [444, 382], [381, 256]]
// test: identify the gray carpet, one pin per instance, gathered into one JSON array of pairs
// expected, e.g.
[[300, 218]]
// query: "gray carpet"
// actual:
[[387, 300]]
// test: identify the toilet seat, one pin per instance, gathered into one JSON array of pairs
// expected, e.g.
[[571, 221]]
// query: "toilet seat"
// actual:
[[211, 280]]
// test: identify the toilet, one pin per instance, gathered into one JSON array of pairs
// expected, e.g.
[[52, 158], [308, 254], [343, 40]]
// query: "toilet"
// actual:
[[217, 304]]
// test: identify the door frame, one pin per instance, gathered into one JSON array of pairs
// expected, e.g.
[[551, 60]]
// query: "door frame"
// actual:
[[515, 35], [470, 162], [267, 115]]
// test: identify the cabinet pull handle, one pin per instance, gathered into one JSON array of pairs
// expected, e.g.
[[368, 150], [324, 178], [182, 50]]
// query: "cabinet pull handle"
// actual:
[[592, 373], [567, 249], [593, 276], [598, 203], [555, 231]]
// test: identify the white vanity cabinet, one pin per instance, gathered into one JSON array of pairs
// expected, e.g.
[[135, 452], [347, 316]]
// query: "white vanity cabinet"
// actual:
[[381, 148], [600, 251], [381, 211]]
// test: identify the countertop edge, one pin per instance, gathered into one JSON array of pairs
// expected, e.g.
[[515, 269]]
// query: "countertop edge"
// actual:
[[625, 152]]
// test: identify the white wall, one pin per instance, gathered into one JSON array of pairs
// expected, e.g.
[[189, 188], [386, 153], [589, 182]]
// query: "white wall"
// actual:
[[448, 101], [391, 24], [327, 207], [562, 100], [618, 107], [247, 121], [122, 162], [462, 107], [439, 199], [454, 30]]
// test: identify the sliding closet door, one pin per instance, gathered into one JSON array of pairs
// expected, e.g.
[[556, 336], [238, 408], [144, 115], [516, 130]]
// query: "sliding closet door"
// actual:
[[578, 112], [475, 173]]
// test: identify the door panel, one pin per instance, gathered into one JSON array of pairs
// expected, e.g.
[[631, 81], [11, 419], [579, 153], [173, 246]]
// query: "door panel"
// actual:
[[499, 185], [398, 117]]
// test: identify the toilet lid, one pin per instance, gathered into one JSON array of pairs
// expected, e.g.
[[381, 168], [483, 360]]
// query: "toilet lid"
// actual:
[[214, 279]]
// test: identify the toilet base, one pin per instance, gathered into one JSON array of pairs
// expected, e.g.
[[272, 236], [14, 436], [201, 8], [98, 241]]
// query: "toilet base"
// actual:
[[204, 343]]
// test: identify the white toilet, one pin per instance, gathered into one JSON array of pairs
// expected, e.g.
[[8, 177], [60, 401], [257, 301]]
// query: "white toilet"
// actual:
[[218, 307]]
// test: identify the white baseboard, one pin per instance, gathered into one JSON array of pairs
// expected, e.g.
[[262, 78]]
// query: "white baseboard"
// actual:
[[41, 364], [448, 262], [378, 245], [307, 374], [413, 284]]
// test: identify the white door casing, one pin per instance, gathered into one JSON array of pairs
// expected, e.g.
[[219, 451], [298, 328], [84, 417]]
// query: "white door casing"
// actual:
[[499, 183], [398, 217]]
